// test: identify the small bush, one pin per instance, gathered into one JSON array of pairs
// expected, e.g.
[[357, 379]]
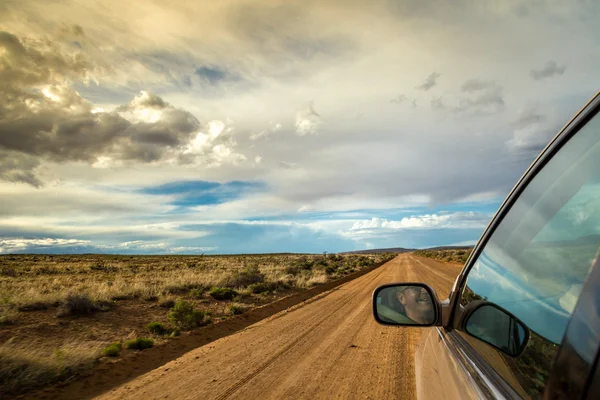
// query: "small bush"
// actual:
[[102, 268], [237, 309], [330, 270], [112, 350], [196, 293], [139, 344], [263, 287], [244, 278], [222, 293], [77, 304], [35, 306], [157, 328], [184, 316], [7, 271], [166, 303], [293, 270]]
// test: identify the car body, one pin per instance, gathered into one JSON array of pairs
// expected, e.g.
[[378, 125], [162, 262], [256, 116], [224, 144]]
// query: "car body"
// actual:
[[537, 268]]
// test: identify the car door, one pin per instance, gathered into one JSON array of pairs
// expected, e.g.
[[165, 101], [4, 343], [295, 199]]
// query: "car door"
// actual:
[[533, 261]]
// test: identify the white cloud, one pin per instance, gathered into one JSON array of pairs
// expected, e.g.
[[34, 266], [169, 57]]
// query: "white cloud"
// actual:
[[19, 244], [308, 121], [457, 220]]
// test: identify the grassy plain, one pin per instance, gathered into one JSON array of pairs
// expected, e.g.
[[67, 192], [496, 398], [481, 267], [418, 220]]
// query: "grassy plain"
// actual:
[[60, 314], [459, 256]]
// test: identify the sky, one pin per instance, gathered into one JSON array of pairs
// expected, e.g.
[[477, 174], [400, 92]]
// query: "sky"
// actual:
[[153, 127]]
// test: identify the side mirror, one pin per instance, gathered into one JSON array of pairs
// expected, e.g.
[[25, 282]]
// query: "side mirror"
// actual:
[[406, 304], [495, 326]]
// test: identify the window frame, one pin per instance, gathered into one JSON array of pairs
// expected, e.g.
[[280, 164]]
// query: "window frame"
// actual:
[[453, 318]]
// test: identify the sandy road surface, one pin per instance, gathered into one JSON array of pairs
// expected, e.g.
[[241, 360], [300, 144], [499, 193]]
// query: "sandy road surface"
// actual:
[[328, 347]]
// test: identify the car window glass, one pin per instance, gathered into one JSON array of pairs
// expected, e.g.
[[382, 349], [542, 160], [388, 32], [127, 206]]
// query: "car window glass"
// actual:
[[538, 258]]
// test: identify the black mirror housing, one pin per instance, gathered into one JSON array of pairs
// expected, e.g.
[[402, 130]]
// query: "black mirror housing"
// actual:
[[495, 326], [406, 304]]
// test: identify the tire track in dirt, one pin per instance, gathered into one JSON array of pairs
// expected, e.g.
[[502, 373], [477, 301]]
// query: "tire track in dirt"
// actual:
[[330, 347]]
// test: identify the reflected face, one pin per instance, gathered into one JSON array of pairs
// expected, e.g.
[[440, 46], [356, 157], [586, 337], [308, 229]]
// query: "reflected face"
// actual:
[[418, 305]]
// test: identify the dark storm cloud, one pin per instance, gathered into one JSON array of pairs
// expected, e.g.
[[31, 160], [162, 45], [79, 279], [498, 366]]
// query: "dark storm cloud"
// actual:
[[549, 70], [31, 62], [41, 117], [18, 167], [430, 81]]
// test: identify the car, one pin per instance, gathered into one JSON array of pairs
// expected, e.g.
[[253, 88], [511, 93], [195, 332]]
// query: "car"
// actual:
[[523, 317]]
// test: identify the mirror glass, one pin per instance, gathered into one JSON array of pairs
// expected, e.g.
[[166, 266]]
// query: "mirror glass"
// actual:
[[498, 328], [405, 305]]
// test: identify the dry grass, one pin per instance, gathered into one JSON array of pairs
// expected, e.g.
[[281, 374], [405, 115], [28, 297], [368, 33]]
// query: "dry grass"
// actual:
[[28, 366], [46, 281], [8, 315], [459, 256]]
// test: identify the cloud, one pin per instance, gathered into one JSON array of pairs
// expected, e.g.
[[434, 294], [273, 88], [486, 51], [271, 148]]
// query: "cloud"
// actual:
[[437, 103], [308, 121], [429, 82], [534, 127], [461, 220], [548, 71], [401, 99], [480, 97], [13, 245], [44, 119], [273, 127]]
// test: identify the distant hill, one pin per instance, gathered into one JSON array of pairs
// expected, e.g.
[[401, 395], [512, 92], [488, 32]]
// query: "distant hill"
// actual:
[[449, 248], [372, 251]]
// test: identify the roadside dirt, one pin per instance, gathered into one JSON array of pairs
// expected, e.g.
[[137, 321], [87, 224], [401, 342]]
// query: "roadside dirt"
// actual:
[[327, 347]]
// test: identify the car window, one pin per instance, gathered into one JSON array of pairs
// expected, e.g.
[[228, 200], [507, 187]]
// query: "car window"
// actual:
[[537, 259]]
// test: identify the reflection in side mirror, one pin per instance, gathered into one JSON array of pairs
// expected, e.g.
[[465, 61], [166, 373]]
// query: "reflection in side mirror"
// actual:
[[497, 327], [405, 304]]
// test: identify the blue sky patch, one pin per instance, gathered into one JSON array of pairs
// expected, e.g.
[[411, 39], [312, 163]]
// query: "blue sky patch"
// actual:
[[212, 75], [203, 193]]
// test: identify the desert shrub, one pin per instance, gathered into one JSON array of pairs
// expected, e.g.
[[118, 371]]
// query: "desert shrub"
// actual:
[[185, 316], [35, 306], [8, 271], [262, 287], [102, 268], [244, 278], [329, 270], [222, 293], [112, 350], [236, 308], [139, 344], [166, 302], [175, 332], [77, 304], [196, 293], [157, 328], [292, 270]]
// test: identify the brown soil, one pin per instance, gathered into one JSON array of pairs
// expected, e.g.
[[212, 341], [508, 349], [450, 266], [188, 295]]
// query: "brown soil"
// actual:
[[326, 347]]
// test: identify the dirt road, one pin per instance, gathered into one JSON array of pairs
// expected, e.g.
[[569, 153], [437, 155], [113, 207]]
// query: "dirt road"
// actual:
[[328, 347]]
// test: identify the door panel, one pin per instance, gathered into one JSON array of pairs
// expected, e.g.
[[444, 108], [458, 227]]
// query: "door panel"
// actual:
[[441, 374]]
